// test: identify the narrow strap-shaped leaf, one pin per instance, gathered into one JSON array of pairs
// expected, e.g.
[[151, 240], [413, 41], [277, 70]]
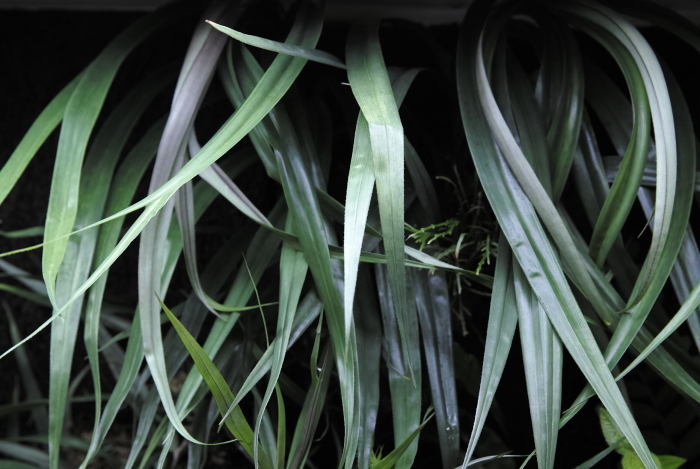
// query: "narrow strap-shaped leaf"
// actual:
[[302, 181], [664, 129], [401, 80], [298, 177], [236, 422], [23, 233], [146, 418], [528, 180], [405, 394], [425, 190], [194, 80], [687, 308], [561, 83], [351, 216], [263, 246], [503, 319], [37, 134], [543, 361], [684, 189], [541, 348], [304, 207], [359, 193], [551, 158], [125, 183], [94, 185], [24, 277], [80, 115], [311, 411], [393, 459], [293, 268], [623, 191], [435, 315], [596, 459], [42, 300], [618, 124], [133, 359], [630, 323], [235, 86], [281, 430], [184, 209], [259, 254], [218, 179], [685, 273], [18, 451], [371, 87], [281, 47]]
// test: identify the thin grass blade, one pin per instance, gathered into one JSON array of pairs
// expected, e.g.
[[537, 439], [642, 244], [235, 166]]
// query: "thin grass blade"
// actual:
[[281, 47], [237, 422], [311, 410], [29, 382], [308, 311], [499, 337], [293, 269], [434, 312]]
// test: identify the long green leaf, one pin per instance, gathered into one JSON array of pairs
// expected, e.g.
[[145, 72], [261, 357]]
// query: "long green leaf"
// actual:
[[281, 48], [80, 115], [371, 87], [293, 269], [94, 185], [434, 313], [125, 183], [543, 361], [405, 393], [31, 386], [309, 308], [236, 423], [194, 80], [624, 190], [499, 337], [392, 459], [37, 134], [359, 193]]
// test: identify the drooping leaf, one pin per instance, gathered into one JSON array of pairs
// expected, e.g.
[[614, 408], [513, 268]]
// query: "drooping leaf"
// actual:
[[482, 122]]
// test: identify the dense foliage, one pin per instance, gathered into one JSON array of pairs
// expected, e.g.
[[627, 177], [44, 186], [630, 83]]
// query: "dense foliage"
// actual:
[[334, 288]]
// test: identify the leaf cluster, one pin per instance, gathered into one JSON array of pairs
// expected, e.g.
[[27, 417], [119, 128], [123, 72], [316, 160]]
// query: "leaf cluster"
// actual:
[[313, 324]]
